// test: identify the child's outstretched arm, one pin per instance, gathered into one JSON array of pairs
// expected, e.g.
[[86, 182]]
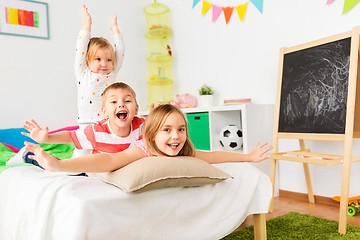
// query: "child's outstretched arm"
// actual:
[[100, 162], [258, 154], [42, 135], [118, 44], [87, 19], [82, 42], [114, 26]]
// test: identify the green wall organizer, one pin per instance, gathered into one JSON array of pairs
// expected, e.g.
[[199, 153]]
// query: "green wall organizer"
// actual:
[[160, 81]]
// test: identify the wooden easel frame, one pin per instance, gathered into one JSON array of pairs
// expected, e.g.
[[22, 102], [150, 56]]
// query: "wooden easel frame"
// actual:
[[352, 128]]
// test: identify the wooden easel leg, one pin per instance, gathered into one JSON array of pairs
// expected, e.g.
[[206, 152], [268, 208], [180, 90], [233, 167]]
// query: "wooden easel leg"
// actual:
[[344, 195], [272, 178], [307, 175], [260, 226], [308, 183]]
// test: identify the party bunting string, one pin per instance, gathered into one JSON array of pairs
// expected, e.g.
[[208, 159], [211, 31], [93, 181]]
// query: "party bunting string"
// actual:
[[348, 4], [228, 10], [241, 9]]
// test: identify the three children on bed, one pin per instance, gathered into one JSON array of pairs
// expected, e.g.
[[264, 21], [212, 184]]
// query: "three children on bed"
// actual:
[[117, 139]]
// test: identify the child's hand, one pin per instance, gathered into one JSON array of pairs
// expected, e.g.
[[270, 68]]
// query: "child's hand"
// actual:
[[114, 26], [87, 19], [36, 132], [44, 159], [258, 154]]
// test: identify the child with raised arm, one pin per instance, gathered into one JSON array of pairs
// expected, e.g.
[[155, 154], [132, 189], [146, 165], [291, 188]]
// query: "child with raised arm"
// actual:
[[113, 134], [165, 134], [96, 67]]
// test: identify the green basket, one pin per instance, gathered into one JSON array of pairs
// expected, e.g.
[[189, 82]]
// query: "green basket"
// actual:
[[199, 132]]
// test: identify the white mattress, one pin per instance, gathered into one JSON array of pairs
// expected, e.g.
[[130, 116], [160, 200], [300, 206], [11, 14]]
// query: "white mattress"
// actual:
[[38, 205]]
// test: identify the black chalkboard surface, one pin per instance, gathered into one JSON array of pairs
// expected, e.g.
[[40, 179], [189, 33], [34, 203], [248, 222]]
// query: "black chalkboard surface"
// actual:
[[314, 89]]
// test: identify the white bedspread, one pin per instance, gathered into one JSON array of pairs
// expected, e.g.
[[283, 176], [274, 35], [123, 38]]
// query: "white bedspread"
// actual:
[[38, 205]]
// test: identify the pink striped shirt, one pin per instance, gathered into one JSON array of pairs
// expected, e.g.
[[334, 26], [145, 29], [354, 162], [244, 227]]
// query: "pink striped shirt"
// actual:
[[100, 139]]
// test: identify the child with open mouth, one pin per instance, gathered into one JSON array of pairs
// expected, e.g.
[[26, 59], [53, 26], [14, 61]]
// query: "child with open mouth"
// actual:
[[113, 134]]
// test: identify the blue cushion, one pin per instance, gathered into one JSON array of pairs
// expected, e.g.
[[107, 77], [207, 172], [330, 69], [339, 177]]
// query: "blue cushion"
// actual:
[[13, 137]]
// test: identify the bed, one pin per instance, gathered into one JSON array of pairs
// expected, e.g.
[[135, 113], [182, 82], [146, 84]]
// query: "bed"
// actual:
[[36, 204]]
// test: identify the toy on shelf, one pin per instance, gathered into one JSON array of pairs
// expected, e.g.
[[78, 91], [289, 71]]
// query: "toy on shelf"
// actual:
[[160, 82], [231, 138], [353, 204], [186, 100]]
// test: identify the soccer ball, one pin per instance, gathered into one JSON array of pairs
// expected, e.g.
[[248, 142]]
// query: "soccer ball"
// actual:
[[230, 138]]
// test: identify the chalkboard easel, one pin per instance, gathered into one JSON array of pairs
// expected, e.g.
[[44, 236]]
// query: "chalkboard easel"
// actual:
[[318, 98]]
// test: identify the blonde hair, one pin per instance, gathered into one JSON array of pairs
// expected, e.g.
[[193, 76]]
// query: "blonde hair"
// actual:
[[153, 123], [96, 44], [118, 85]]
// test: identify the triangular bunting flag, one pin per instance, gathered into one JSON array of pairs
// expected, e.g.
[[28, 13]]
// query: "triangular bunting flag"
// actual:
[[329, 2], [228, 12], [258, 4], [206, 7], [216, 12], [195, 2], [348, 4], [241, 9]]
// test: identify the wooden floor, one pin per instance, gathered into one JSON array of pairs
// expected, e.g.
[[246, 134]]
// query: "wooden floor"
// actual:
[[296, 202]]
